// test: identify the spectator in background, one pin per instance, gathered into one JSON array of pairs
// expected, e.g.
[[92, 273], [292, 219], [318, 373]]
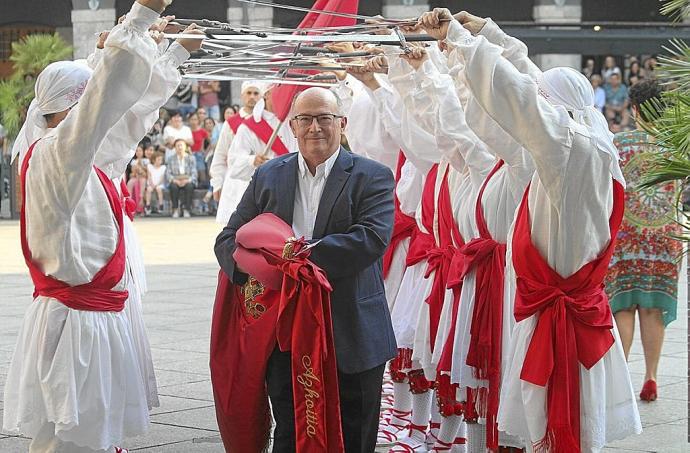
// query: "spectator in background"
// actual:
[[649, 66], [181, 176], [617, 102], [200, 136], [227, 113], [155, 135], [643, 275], [634, 73], [155, 183], [149, 151], [209, 127], [202, 114], [182, 99], [176, 130], [208, 97], [588, 70], [609, 67], [599, 93], [136, 184]]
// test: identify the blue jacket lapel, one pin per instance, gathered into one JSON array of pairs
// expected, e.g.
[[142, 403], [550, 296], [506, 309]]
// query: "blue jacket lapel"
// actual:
[[334, 185], [286, 182]]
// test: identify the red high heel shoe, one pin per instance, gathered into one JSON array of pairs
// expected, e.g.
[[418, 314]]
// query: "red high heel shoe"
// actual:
[[648, 392]]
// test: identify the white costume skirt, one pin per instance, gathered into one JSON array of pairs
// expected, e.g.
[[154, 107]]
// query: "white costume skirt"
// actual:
[[422, 351], [608, 409], [414, 288], [461, 373], [79, 370], [134, 257], [230, 197], [396, 272]]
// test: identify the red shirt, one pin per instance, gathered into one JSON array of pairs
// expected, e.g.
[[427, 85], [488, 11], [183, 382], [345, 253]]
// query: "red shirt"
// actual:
[[199, 136]]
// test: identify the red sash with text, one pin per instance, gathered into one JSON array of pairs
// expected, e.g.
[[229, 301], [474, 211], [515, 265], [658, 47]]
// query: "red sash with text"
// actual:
[[573, 326], [247, 322], [264, 131], [98, 294]]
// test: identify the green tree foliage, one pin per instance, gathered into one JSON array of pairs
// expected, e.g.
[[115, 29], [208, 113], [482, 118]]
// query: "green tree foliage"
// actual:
[[671, 116], [29, 56]]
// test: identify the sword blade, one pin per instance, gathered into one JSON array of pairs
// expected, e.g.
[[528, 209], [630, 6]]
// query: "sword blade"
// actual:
[[381, 39], [308, 10]]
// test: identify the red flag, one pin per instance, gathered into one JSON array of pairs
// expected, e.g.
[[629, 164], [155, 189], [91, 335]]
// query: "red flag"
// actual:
[[284, 94]]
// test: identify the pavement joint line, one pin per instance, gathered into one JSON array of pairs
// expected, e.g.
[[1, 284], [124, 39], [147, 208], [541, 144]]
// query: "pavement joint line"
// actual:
[[181, 383], [183, 410], [184, 397], [183, 426]]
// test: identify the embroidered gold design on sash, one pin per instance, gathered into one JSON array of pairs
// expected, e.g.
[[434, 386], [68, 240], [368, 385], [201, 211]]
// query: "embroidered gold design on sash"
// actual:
[[289, 248], [251, 290]]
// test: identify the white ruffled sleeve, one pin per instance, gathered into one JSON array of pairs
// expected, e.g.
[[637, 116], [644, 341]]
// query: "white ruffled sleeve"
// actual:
[[121, 79], [512, 100], [117, 148], [417, 144]]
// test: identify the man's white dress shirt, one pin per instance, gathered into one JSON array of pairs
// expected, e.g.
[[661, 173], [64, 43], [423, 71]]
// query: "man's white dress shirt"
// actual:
[[308, 193]]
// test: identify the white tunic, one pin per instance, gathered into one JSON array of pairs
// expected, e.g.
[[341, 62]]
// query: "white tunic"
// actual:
[[570, 200], [246, 145], [78, 369], [220, 177]]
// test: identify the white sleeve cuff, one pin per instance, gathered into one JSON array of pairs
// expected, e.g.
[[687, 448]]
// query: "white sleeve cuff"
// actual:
[[492, 32], [140, 18], [457, 34], [178, 53]]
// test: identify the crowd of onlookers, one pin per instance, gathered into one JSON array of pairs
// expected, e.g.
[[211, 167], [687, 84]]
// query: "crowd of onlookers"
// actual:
[[176, 154], [611, 84]]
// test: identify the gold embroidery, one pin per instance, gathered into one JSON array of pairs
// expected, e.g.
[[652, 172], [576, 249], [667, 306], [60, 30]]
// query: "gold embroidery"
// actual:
[[289, 248], [251, 290], [311, 386]]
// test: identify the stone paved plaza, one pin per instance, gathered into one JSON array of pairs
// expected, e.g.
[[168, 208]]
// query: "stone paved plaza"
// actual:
[[182, 271]]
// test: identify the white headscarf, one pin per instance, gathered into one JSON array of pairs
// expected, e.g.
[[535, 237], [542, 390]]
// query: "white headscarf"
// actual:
[[570, 90], [252, 84], [58, 87]]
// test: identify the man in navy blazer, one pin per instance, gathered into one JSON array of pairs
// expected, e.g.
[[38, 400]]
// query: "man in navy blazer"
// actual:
[[344, 201]]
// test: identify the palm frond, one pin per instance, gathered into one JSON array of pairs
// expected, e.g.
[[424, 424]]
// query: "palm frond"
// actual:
[[34, 52], [676, 9]]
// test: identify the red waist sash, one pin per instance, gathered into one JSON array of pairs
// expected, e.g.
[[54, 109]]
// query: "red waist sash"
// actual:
[[128, 204], [574, 325], [488, 257], [98, 294], [403, 228], [440, 257], [403, 225]]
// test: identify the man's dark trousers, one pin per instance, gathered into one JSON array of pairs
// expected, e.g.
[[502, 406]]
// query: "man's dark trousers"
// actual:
[[360, 404]]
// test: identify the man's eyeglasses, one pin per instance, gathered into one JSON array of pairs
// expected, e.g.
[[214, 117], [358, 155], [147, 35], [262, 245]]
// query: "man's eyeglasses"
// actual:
[[324, 120]]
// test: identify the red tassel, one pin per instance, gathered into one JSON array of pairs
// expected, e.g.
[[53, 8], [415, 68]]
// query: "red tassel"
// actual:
[[557, 440]]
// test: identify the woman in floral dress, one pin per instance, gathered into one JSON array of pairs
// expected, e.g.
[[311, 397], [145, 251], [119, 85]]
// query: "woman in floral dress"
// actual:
[[643, 276]]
